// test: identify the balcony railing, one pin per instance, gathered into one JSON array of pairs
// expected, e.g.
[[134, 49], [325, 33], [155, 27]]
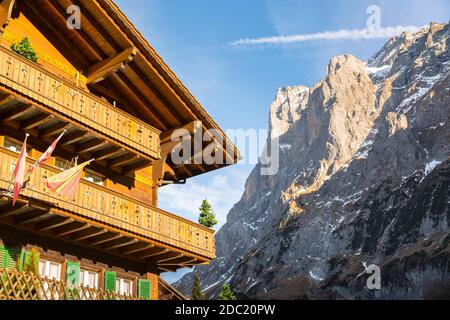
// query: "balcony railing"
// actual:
[[97, 203], [57, 95], [16, 285]]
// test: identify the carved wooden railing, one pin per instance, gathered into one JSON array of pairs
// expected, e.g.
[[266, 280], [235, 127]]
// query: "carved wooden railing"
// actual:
[[16, 285], [57, 95], [98, 203]]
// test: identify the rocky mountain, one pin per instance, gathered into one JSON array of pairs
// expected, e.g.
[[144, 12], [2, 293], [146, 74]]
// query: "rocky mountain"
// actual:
[[364, 179]]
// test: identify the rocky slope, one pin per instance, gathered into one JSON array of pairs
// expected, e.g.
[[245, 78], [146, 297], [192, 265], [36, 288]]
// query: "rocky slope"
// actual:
[[364, 179]]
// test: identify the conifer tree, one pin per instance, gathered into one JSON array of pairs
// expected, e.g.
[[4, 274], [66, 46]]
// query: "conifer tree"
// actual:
[[227, 293], [197, 293], [207, 217], [25, 49]]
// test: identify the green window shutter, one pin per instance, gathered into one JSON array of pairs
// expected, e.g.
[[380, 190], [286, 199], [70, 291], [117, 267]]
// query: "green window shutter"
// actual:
[[10, 258], [110, 281], [73, 273], [145, 289], [3, 257]]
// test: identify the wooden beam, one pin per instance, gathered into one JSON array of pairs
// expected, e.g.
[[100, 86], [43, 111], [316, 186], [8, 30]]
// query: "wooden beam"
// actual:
[[153, 253], [105, 68], [105, 239], [6, 10], [165, 257], [137, 100], [54, 129], [137, 166], [107, 153], [35, 121], [7, 99], [48, 27], [15, 113], [179, 261], [90, 145], [72, 228], [30, 217], [73, 137], [120, 244], [170, 258], [53, 223], [192, 127], [9, 210], [80, 37], [122, 160], [165, 269], [136, 249], [86, 234]]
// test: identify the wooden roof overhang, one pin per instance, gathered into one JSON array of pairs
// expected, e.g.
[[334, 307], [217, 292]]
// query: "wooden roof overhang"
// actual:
[[144, 87]]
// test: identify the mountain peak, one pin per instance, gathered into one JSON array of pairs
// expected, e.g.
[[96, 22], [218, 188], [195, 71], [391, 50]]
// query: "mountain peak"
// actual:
[[364, 179]]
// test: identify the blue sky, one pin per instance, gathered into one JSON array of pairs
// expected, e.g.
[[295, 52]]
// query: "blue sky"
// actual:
[[236, 85]]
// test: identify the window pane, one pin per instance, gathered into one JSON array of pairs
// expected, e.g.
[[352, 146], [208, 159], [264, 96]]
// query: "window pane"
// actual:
[[117, 285], [126, 287], [42, 268], [54, 271], [12, 145], [89, 279]]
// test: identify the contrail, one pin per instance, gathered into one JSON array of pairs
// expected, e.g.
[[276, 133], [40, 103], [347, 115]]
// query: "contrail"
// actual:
[[355, 34]]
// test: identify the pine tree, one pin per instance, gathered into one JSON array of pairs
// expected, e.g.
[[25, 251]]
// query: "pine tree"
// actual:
[[207, 217], [25, 49], [227, 293], [197, 293]]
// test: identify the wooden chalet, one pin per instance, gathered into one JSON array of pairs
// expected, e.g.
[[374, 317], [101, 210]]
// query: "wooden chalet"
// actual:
[[119, 103]]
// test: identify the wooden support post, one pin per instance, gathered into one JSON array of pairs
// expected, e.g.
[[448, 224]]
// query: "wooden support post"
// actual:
[[105, 68]]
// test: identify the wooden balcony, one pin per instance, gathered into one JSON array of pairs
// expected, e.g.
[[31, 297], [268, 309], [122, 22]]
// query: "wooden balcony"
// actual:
[[16, 285], [106, 220], [39, 102]]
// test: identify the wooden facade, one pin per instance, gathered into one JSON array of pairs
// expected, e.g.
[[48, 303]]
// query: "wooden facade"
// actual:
[[118, 102]]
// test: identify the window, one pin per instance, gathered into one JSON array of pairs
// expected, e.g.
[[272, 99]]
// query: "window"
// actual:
[[89, 176], [50, 269], [89, 279], [62, 164], [12, 145], [124, 286]]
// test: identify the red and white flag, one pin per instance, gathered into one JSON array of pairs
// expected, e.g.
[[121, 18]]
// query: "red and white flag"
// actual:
[[19, 171], [46, 155]]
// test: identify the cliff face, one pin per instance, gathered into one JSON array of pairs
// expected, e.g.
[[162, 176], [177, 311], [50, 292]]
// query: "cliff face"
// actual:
[[364, 179]]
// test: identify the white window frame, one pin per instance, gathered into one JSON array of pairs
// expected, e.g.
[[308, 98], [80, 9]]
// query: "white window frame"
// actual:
[[47, 265], [84, 278], [120, 286], [92, 177]]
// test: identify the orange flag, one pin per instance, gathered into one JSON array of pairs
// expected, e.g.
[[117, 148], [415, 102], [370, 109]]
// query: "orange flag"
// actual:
[[19, 171], [66, 183]]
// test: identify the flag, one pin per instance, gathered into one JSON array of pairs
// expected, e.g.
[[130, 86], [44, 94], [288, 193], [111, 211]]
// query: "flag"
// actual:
[[19, 171], [46, 155], [66, 183]]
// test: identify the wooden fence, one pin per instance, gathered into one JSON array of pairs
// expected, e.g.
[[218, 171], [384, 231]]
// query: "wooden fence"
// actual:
[[16, 285]]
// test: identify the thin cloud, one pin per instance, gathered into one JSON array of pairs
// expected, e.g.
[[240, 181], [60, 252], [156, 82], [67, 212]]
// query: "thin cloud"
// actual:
[[355, 34]]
